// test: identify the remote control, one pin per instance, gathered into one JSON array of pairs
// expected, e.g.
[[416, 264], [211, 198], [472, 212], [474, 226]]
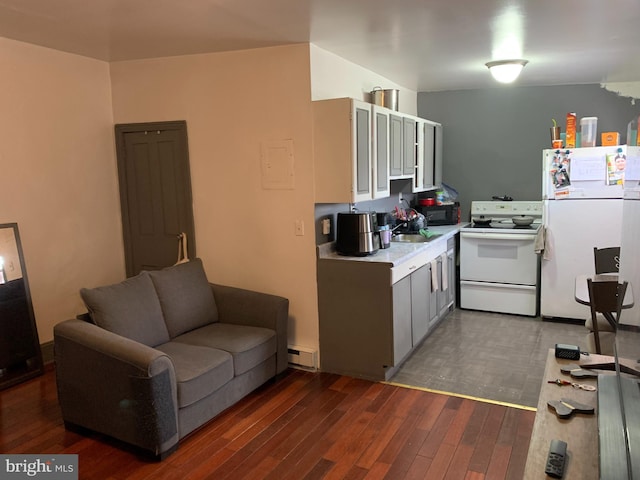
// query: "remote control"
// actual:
[[555, 460]]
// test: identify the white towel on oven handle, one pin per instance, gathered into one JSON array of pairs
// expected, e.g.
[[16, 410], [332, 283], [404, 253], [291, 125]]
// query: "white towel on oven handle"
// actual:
[[542, 245]]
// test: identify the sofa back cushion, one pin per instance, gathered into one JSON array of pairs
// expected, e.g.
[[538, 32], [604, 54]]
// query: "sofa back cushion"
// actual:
[[186, 297], [130, 308]]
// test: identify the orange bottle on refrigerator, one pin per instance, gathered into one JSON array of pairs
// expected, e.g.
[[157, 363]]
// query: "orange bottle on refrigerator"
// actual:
[[570, 141]]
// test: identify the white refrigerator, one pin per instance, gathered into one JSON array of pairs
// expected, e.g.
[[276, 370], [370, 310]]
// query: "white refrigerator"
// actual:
[[630, 247], [582, 208]]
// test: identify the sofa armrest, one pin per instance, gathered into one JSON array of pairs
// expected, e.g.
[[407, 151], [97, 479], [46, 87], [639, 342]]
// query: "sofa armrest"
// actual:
[[116, 386], [256, 309]]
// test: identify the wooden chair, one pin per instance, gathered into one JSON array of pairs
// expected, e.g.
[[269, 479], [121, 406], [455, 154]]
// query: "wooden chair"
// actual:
[[605, 302], [607, 260]]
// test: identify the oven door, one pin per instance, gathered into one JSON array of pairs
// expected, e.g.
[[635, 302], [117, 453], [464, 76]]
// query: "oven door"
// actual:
[[499, 257]]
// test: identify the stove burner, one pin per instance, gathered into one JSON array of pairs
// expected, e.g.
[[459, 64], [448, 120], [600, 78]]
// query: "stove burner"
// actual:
[[506, 226], [497, 217]]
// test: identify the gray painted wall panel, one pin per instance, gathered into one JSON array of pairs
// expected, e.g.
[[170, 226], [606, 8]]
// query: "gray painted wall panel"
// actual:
[[493, 138]]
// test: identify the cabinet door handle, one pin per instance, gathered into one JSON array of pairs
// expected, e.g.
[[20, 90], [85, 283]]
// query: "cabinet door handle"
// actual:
[[412, 267]]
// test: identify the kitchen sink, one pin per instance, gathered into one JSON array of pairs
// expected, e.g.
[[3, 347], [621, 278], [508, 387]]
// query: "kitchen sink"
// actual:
[[413, 238]]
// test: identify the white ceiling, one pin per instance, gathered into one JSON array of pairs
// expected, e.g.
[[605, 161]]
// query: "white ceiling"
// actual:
[[423, 45]]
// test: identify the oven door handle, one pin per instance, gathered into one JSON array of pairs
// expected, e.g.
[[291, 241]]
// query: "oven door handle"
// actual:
[[498, 236]]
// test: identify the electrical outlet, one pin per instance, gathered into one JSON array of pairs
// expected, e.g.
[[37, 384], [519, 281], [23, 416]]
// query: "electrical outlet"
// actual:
[[299, 228], [326, 226]]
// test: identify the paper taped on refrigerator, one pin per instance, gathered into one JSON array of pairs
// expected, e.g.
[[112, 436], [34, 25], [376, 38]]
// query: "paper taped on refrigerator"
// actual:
[[580, 173]]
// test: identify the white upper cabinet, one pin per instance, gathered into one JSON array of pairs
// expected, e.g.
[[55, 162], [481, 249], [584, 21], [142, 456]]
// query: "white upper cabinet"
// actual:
[[414, 147], [380, 151], [342, 150], [408, 146], [396, 159], [425, 156], [438, 156], [360, 147], [402, 144]]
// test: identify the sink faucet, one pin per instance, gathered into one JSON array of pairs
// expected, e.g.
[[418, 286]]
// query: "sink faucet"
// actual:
[[403, 224]]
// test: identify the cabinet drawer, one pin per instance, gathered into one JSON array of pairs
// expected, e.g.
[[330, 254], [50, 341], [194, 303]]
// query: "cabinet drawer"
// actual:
[[410, 266]]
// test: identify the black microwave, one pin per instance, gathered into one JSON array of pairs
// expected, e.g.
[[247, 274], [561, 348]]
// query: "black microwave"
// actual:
[[446, 214]]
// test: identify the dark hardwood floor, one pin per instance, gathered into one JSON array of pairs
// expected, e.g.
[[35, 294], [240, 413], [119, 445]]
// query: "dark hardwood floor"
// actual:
[[303, 426]]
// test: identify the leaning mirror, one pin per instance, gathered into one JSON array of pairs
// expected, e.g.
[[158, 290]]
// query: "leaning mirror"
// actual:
[[20, 354]]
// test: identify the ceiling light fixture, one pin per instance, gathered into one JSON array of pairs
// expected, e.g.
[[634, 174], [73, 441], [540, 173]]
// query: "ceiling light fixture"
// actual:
[[506, 71]]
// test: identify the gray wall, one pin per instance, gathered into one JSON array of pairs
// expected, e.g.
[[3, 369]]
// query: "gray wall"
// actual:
[[493, 138], [331, 210]]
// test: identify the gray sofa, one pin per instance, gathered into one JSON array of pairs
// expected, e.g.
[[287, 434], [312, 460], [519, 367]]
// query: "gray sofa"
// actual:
[[160, 354]]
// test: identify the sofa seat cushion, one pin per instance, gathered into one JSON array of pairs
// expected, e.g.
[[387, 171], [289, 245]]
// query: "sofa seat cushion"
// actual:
[[200, 371], [129, 308], [185, 296], [249, 346]]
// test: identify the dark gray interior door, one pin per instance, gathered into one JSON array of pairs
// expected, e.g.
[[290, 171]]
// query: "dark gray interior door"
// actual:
[[155, 193]]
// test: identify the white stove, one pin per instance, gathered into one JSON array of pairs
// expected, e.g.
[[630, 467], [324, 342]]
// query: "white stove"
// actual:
[[492, 215], [499, 268]]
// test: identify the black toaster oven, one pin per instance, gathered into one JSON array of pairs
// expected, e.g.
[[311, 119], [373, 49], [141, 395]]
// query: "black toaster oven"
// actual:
[[445, 214]]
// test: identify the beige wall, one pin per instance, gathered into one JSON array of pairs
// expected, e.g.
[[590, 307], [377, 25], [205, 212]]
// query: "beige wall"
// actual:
[[58, 175], [234, 103], [334, 77]]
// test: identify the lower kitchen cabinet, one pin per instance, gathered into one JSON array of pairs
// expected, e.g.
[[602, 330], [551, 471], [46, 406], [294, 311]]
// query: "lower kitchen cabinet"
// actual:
[[369, 325], [421, 299], [356, 308], [402, 318], [446, 297]]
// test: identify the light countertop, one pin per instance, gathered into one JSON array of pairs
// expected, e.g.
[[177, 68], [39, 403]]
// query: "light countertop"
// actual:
[[398, 252]]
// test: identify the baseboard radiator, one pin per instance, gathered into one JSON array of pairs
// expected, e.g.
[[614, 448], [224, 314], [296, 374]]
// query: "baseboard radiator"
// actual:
[[303, 358]]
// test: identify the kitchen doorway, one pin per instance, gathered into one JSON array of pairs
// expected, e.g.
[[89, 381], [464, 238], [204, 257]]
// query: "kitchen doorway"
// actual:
[[155, 193]]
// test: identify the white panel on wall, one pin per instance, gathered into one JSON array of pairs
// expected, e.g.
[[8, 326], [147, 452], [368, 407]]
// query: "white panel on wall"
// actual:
[[277, 165]]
